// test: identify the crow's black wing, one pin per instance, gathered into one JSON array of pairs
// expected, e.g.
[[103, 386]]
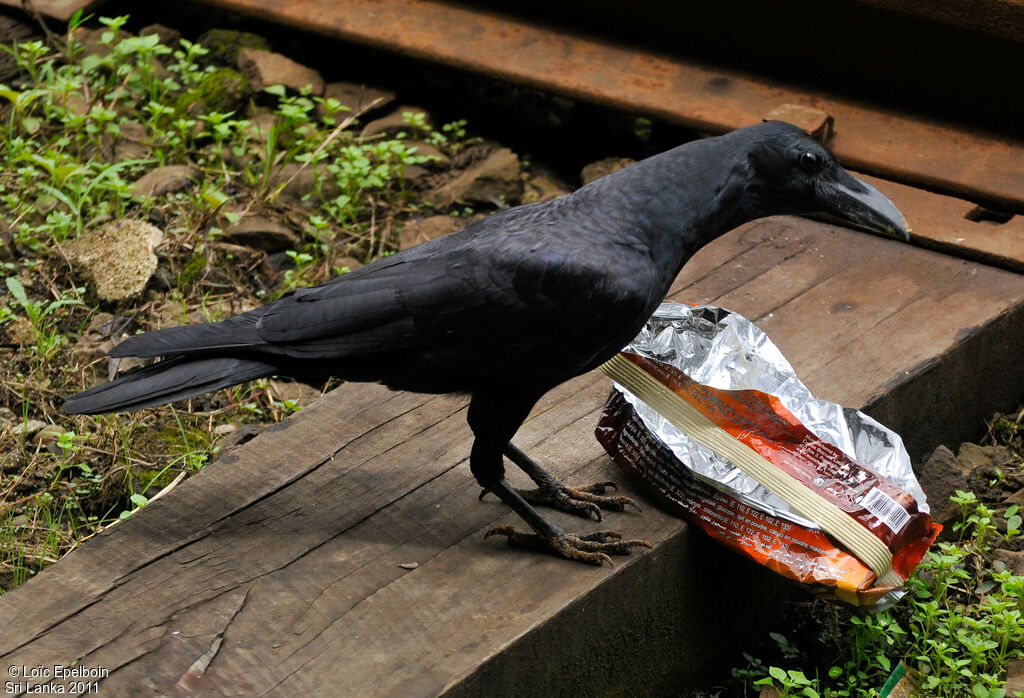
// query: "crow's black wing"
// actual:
[[464, 305], [470, 307]]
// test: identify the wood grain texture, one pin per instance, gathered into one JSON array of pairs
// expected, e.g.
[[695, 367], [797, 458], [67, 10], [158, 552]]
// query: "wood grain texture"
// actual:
[[277, 570], [930, 154]]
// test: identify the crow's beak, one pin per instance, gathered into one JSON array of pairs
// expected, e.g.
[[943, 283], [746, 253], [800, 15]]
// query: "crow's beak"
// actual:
[[861, 205]]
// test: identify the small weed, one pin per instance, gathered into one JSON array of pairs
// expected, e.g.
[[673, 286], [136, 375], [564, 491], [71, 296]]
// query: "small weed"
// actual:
[[959, 626], [80, 123]]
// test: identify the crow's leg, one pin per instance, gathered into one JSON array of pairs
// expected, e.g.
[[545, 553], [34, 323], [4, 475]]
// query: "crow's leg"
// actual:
[[494, 420], [586, 500]]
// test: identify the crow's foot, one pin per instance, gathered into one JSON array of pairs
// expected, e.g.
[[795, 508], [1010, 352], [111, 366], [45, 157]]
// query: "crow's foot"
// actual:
[[593, 548], [583, 501]]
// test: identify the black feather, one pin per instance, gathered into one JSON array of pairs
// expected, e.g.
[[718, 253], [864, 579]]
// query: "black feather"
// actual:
[[175, 379]]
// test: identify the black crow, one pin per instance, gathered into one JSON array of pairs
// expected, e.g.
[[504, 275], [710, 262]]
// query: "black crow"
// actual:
[[510, 306]]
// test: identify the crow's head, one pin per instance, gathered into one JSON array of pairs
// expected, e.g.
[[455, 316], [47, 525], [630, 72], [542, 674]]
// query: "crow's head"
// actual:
[[789, 172]]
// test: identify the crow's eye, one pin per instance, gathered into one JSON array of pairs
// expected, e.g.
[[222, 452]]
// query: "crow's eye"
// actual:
[[811, 162]]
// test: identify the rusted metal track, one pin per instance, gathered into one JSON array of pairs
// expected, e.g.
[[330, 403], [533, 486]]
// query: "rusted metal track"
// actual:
[[936, 156]]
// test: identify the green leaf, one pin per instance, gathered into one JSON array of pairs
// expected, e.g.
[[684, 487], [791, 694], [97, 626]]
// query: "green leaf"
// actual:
[[139, 500], [798, 677], [31, 124], [17, 290], [778, 673]]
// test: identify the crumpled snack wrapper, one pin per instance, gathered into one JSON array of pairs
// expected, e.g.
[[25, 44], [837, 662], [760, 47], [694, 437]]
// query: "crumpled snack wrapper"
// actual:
[[707, 411]]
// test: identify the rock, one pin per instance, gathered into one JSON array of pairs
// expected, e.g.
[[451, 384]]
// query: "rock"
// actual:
[[1015, 678], [7, 421], [261, 233], [46, 438], [973, 457], [408, 565], [11, 31], [20, 332], [347, 263], [415, 176], [419, 231], [168, 36], [117, 258], [264, 68], [224, 45], [90, 41], [1015, 498], [225, 429], [300, 181], [165, 180], [260, 126], [596, 170], [242, 253], [394, 123], [543, 185], [816, 123], [74, 103], [27, 427], [436, 160], [1013, 559], [358, 97], [8, 250], [940, 477], [222, 90], [495, 180], [986, 467], [92, 347], [131, 143]]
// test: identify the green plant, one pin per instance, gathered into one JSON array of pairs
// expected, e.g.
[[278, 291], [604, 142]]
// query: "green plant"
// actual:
[[791, 682], [84, 120], [40, 315], [958, 628]]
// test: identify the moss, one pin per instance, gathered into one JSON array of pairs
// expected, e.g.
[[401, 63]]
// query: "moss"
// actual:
[[223, 90], [151, 481], [192, 271], [225, 44]]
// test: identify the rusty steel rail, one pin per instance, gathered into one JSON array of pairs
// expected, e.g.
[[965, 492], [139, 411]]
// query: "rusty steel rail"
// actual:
[[936, 156]]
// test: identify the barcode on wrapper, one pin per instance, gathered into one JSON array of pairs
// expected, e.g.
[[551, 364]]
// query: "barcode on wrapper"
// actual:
[[885, 509]]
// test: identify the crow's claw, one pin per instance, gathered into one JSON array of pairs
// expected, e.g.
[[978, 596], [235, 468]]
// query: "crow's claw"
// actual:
[[582, 501], [592, 548]]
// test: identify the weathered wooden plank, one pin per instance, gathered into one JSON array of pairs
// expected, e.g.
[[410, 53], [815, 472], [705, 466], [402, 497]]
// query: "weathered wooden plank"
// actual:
[[276, 569], [958, 227], [307, 443], [715, 100]]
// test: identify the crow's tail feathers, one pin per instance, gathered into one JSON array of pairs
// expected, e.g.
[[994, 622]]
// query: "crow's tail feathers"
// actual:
[[237, 333], [166, 381]]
